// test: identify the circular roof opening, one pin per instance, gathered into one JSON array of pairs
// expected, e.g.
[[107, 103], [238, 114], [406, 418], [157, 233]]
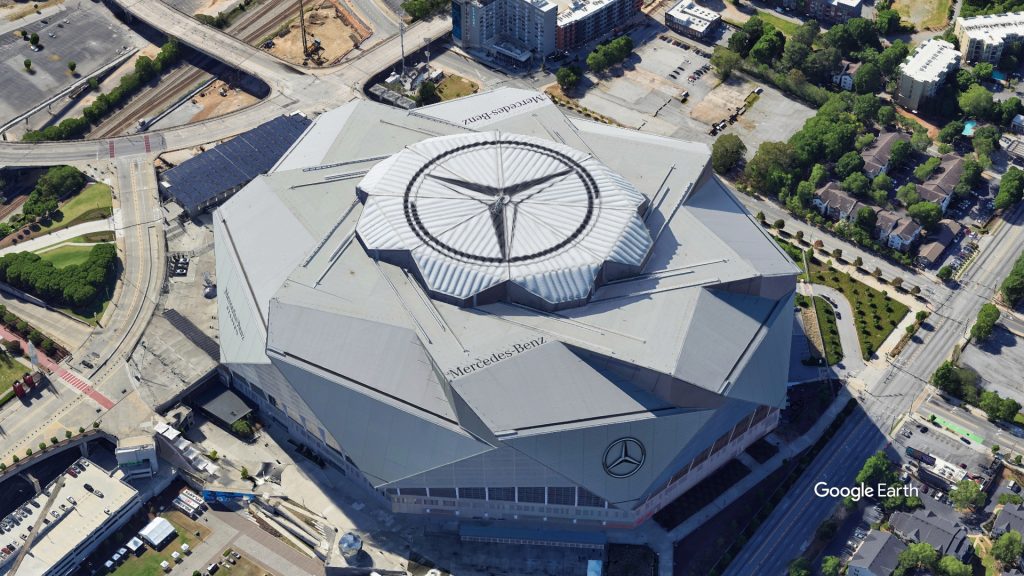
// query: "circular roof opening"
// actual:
[[490, 216]]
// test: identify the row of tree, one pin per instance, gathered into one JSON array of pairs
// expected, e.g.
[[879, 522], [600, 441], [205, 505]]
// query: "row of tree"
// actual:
[[59, 182], [146, 69], [422, 9], [609, 54], [982, 329], [74, 286], [28, 332]]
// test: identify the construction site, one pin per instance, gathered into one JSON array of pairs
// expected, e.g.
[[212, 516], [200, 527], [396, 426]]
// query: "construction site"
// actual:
[[326, 31]]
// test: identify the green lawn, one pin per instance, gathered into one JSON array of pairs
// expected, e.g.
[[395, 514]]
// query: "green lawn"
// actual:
[[10, 370], [148, 563], [787, 27], [94, 237], [924, 14], [66, 255], [93, 203], [454, 86], [876, 314], [795, 253], [829, 331]]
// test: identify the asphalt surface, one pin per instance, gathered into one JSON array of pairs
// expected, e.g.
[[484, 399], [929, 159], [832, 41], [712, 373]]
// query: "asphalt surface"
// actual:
[[91, 38], [789, 529]]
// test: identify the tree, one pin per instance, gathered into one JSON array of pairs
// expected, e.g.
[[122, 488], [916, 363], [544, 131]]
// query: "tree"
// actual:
[[849, 163], [830, 566], [988, 315], [28, 64], [779, 224], [768, 47], [242, 427], [985, 141], [858, 262], [926, 169], [886, 115], [976, 102], [882, 182], [770, 170], [927, 214], [896, 282], [800, 567], [887, 21], [725, 61], [427, 93], [983, 72], [900, 152], [866, 218], [760, 217], [568, 77], [857, 184], [245, 473], [920, 141], [867, 79], [1011, 188], [877, 469], [951, 131], [837, 254], [945, 273], [966, 495], [72, 65], [865, 108], [34, 39], [68, 434], [918, 556], [799, 235], [727, 150], [1008, 548], [915, 290], [950, 566]]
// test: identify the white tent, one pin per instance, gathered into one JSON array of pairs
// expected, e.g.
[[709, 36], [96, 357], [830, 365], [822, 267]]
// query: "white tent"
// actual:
[[166, 566], [158, 531]]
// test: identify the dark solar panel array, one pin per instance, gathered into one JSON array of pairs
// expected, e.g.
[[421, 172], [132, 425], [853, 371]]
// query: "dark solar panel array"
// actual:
[[193, 333], [232, 164]]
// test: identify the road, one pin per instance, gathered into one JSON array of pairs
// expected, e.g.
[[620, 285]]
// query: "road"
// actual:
[[141, 247], [889, 393], [853, 359], [785, 533]]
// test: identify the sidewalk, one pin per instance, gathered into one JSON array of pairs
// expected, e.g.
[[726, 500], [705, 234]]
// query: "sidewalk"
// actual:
[[60, 236]]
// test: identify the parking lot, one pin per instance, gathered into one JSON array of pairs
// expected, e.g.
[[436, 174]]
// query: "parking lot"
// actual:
[[960, 251], [649, 95], [90, 36], [999, 362]]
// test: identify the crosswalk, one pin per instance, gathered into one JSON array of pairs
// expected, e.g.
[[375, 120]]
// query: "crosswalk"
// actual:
[[84, 387]]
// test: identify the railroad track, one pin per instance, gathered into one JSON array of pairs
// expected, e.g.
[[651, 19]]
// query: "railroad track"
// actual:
[[251, 27]]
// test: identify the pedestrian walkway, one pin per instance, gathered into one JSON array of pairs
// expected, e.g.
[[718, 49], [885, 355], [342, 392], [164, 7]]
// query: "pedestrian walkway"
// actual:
[[60, 236]]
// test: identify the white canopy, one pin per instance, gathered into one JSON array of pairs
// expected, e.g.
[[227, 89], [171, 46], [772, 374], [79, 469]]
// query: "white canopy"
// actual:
[[158, 531]]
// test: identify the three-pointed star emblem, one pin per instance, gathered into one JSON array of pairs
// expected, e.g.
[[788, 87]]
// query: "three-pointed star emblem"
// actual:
[[501, 201]]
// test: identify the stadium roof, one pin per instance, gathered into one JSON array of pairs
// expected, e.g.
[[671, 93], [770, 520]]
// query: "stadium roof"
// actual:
[[689, 335], [473, 211], [224, 168]]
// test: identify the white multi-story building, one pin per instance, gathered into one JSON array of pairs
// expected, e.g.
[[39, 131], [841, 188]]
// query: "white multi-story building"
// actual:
[[924, 72], [982, 38], [690, 19], [136, 456], [510, 30], [89, 508]]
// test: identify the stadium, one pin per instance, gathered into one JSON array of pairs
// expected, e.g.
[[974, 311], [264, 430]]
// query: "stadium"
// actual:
[[486, 308]]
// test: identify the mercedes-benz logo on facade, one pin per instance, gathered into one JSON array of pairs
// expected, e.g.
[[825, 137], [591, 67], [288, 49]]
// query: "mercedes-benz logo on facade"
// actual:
[[624, 457]]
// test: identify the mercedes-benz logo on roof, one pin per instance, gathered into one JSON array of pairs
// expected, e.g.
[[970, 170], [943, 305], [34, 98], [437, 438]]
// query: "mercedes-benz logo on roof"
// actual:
[[555, 198], [624, 457]]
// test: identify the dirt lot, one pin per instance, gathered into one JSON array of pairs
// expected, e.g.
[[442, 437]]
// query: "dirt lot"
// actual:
[[719, 102], [323, 23], [214, 7], [216, 105]]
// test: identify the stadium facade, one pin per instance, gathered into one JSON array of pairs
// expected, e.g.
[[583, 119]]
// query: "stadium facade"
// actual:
[[488, 309]]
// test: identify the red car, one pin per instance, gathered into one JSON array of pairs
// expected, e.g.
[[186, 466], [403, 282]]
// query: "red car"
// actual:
[[72, 472]]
